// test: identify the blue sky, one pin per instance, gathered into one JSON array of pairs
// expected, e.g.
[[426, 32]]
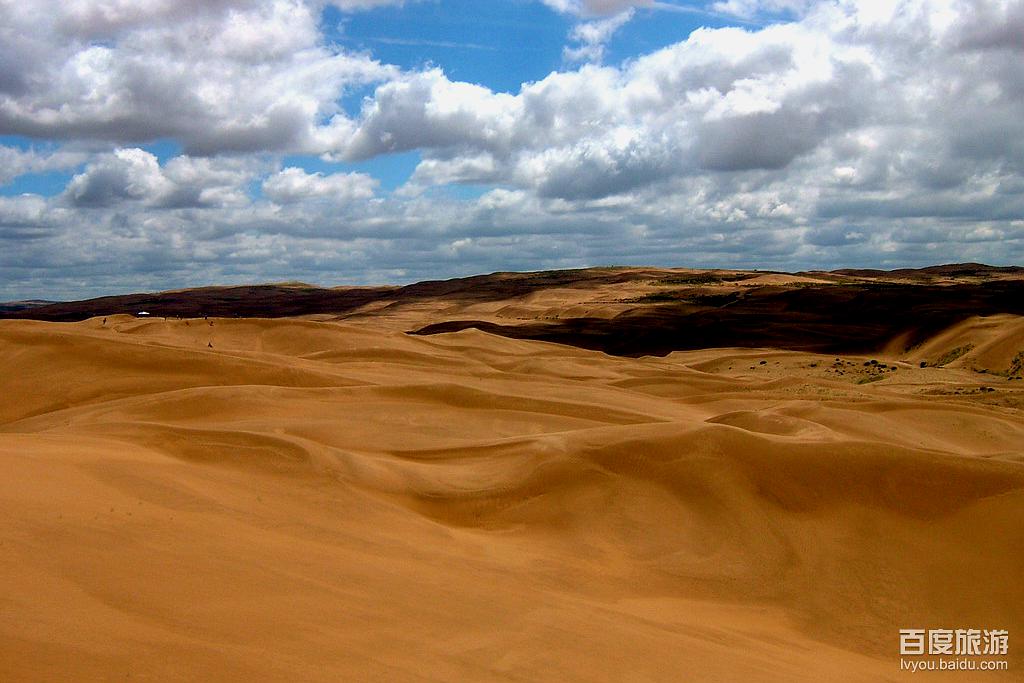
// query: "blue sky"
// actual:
[[497, 44], [152, 144]]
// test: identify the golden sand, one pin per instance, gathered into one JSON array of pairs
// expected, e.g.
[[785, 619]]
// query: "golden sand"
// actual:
[[324, 501]]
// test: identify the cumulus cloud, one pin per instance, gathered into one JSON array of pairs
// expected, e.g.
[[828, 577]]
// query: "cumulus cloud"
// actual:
[[16, 162], [295, 185], [127, 174], [21, 211], [228, 75], [135, 175], [427, 110], [724, 100]]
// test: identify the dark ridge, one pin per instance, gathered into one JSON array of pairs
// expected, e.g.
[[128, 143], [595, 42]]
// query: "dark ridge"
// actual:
[[17, 306], [824, 319], [507, 285], [947, 270]]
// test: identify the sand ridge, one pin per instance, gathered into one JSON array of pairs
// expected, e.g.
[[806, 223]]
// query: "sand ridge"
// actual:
[[297, 500]]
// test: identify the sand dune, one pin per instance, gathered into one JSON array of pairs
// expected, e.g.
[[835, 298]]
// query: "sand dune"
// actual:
[[296, 500], [990, 344]]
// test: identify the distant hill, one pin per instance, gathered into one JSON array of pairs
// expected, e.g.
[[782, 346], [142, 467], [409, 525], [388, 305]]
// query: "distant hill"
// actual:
[[947, 270], [17, 306], [275, 301]]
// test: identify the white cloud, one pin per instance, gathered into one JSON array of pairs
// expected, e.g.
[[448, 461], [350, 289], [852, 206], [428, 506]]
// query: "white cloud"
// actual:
[[22, 211], [135, 175], [750, 9], [590, 37], [428, 110], [462, 169], [295, 185], [16, 162], [229, 75], [127, 174]]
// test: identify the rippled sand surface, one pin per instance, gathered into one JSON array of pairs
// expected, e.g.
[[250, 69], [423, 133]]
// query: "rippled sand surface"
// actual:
[[298, 500]]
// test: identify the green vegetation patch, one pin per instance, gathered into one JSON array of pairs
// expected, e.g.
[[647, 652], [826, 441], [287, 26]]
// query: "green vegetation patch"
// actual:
[[952, 355], [1017, 364], [706, 279]]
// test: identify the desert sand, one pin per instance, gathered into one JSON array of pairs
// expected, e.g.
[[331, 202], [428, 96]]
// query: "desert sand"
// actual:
[[328, 499]]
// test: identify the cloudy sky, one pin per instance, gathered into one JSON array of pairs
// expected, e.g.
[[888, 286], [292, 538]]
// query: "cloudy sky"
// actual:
[[153, 144]]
